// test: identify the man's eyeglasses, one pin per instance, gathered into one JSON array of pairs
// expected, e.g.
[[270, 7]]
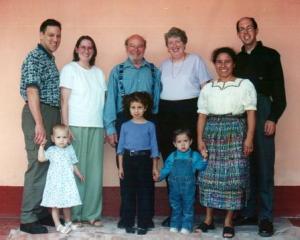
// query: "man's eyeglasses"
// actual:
[[246, 29]]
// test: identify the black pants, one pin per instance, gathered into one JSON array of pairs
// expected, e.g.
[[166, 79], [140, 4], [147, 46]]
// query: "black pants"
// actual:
[[174, 115], [137, 190]]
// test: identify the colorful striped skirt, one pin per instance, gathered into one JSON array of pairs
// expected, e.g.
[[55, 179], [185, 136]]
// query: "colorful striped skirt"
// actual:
[[225, 182]]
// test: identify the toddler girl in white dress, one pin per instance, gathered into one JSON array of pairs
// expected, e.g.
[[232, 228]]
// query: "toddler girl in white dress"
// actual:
[[60, 190]]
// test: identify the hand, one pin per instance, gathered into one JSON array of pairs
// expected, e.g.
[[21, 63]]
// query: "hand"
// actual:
[[71, 136], [121, 173], [202, 149], [270, 128], [43, 143], [40, 134], [81, 177], [248, 147], [112, 139], [155, 175]]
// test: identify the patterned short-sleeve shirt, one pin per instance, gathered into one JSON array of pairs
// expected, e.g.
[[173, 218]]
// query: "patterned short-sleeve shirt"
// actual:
[[39, 70]]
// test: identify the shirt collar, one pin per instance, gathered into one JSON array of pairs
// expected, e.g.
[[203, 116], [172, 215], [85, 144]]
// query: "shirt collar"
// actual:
[[128, 63], [41, 47], [186, 152], [258, 45]]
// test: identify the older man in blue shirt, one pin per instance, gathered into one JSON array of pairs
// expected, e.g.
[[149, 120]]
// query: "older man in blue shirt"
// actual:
[[133, 75]]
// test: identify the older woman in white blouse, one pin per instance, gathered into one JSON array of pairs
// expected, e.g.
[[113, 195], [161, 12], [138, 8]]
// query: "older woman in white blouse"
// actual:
[[226, 123]]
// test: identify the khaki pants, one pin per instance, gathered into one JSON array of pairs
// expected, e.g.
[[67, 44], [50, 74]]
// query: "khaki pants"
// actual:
[[35, 175]]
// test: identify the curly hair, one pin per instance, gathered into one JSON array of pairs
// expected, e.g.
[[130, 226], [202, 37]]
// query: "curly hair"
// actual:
[[141, 97]]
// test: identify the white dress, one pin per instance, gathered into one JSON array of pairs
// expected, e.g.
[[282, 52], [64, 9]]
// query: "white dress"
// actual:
[[61, 189]]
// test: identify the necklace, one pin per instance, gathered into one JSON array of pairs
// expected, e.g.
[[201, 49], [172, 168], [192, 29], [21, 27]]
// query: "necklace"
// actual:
[[177, 67]]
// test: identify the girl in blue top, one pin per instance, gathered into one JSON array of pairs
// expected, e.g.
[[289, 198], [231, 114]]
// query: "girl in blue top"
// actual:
[[181, 166], [137, 156]]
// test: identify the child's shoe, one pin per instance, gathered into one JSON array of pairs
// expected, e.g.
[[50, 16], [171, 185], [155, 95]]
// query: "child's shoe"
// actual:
[[63, 229], [71, 225], [172, 229], [184, 231]]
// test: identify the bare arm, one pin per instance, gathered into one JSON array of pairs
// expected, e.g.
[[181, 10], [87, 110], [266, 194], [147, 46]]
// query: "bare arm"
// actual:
[[248, 144], [77, 173], [65, 96], [35, 109], [155, 172], [120, 170], [41, 152], [200, 129]]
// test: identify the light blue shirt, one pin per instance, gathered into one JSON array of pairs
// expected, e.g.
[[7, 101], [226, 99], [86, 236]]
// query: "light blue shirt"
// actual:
[[138, 136], [134, 80], [198, 163]]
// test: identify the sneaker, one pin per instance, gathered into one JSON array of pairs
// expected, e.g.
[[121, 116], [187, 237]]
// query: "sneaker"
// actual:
[[174, 230], [63, 229], [265, 228], [72, 226], [33, 228], [184, 231]]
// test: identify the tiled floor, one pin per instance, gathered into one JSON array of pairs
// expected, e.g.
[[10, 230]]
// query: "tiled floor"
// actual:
[[285, 229]]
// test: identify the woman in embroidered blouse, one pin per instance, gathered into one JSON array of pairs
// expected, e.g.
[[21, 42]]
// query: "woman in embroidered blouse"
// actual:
[[226, 124], [82, 100], [182, 75]]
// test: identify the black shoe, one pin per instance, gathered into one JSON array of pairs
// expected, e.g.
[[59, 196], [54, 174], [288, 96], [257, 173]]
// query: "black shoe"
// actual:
[[166, 222], [265, 228], [121, 224], [130, 229], [204, 227], [151, 224], [228, 232], [242, 220], [33, 228], [142, 231], [48, 221]]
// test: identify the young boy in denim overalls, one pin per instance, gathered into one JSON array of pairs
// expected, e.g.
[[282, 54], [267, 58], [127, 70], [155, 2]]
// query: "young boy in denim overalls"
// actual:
[[180, 167]]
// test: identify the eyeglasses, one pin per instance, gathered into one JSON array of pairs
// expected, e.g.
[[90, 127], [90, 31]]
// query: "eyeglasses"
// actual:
[[249, 28]]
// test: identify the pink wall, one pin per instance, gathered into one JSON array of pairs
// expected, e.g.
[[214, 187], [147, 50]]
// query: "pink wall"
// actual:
[[209, 24]]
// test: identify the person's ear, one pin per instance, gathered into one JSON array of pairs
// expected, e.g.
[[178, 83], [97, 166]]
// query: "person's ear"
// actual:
[[52, 138]]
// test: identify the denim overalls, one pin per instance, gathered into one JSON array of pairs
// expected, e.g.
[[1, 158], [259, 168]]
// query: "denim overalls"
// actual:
[[182, 184]]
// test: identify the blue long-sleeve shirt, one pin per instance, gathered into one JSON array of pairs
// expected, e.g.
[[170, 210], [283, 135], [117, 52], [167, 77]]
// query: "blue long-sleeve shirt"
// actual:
[[134, 80], [138, 136], [198, 163]]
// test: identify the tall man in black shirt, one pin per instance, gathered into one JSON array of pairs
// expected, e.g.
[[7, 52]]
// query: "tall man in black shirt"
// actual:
[[262, 66]]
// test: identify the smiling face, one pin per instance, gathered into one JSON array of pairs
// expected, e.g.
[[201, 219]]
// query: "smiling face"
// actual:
[[224, 67], [247, 33], [176, 48], [60, 137], [182, 142], [85, 51], [137, 110], [50, 39], [135, 49]]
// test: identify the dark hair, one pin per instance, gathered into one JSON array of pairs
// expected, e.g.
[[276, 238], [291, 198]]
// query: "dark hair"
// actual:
[[133, 36], [75, 54], [141, 97], [254, 23], [180, 131], [176, 32], [49, 22], [227, 50]]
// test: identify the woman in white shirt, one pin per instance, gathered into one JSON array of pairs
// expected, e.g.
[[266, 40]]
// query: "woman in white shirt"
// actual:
[[82, 100], [226, 124]]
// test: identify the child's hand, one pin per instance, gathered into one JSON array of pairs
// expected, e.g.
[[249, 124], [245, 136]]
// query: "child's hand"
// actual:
[[43, 143], [121, 173], [155, 175]]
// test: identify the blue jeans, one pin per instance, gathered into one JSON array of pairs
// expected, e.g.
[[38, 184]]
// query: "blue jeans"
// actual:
[[261, 166], [182, 194]]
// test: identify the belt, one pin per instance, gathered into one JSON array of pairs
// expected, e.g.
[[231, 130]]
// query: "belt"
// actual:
[[136, 153]]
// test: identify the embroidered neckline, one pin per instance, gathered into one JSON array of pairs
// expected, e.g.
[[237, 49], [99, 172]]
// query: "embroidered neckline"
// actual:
[[223, 85]]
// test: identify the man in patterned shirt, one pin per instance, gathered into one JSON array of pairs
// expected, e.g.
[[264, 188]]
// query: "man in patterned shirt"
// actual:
[[40, 90]]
